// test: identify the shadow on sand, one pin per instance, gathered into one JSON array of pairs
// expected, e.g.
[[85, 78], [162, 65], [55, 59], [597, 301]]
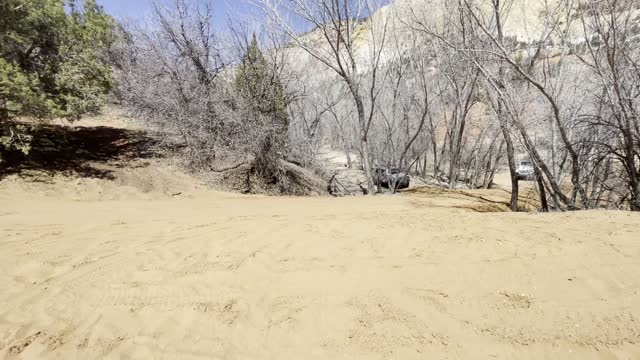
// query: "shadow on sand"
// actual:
[[76, 151]]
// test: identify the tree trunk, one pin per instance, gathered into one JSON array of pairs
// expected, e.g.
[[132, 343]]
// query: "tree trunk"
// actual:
[[511, 157], [632, 172], [543, 194], [417, 133], [364, 144], [346, 151], [365, 156], [424, 165], [436, 167], [634, 202]]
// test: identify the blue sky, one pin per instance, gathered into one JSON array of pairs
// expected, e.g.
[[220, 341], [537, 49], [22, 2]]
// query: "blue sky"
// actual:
[[138, 9]]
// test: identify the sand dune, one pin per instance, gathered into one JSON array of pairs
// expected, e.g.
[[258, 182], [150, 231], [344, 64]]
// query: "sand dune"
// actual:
[[223, 276]]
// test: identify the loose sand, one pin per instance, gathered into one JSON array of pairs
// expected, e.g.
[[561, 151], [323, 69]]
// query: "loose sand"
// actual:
[[207, 275], [128, 259]]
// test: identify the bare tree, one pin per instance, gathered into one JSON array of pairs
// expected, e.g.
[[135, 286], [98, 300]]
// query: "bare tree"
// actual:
[[219, 99], [610, 52], [443, 89], [337, 24]]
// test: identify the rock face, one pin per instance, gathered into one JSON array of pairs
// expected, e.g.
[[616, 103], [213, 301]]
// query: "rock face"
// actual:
[[524, 23], [393, 22]]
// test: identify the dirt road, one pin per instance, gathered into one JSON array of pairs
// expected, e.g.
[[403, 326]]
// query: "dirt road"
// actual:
[[209, 275]]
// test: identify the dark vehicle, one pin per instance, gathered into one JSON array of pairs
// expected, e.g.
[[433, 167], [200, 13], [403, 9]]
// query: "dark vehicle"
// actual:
[[390, 177], [525, 170]]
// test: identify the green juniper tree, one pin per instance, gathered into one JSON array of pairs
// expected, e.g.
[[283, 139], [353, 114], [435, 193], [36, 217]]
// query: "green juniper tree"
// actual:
[[53, 60], [262, 96], [260, 87], [84, 78]]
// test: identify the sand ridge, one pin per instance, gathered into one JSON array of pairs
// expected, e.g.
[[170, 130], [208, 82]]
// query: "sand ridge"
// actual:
[[245, 277]]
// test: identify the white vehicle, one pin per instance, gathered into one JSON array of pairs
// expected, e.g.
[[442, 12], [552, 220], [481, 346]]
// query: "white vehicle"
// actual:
[[525, 170]]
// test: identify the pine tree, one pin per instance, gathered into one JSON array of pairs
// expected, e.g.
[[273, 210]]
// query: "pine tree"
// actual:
[[262, 94], [30, 34], [84, 78], [53, 63], [260, 87]]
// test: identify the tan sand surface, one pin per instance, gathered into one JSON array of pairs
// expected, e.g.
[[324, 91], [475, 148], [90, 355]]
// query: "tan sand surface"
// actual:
[[206, 275], [120, 256]]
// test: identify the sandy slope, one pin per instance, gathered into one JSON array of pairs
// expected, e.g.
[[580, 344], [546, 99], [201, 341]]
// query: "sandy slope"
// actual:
[[221, 276], [127, 259]]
